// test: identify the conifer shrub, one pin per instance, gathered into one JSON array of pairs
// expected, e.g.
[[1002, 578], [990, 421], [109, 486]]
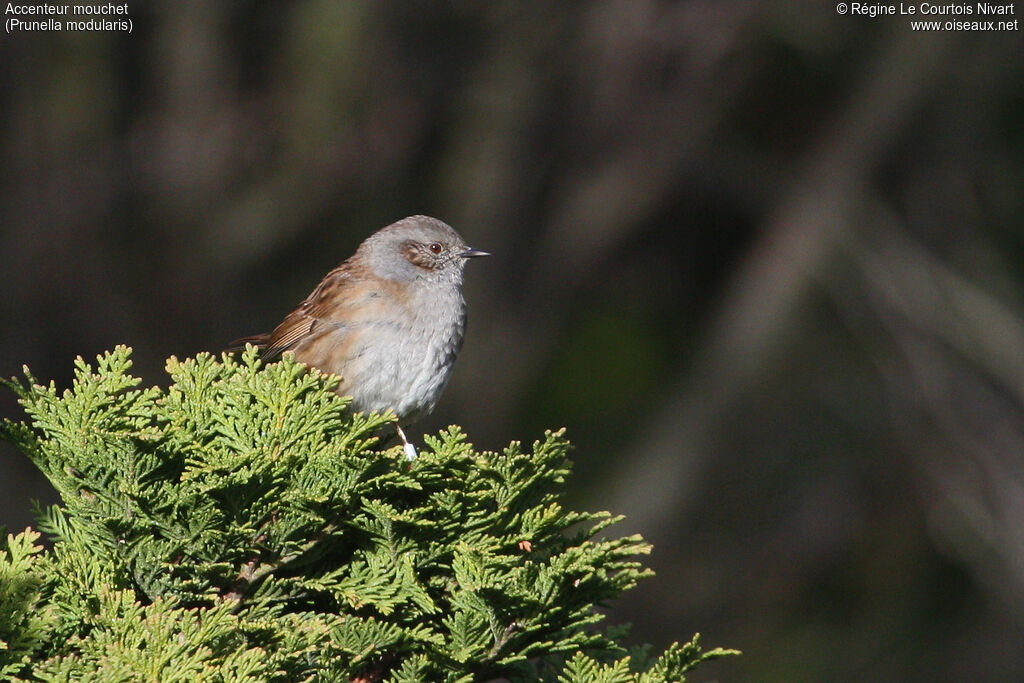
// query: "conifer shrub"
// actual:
[[243, 525]]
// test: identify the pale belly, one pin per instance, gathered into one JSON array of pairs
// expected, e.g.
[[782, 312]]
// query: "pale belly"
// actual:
[[386, 366]]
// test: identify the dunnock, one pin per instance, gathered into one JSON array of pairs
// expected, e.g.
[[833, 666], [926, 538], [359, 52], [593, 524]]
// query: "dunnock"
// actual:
[[389, 320]]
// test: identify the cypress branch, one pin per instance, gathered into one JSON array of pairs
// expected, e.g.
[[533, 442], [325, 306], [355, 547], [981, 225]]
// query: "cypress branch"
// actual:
[[243, 525]]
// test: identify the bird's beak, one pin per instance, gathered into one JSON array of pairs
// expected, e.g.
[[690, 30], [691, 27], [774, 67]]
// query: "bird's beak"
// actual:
[[473, 253]]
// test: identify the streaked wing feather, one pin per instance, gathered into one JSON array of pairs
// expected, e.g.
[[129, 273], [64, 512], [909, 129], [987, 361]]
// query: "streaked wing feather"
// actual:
[[315, 309]]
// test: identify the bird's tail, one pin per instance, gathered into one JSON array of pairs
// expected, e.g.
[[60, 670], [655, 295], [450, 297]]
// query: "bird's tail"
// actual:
[[258, 340]]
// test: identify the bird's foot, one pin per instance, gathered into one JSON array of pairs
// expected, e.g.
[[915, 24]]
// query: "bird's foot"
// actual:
[[410, 450]]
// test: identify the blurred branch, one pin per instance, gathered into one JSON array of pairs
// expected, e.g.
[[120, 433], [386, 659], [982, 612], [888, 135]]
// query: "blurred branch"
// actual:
[[956, 392], [647, 132], [763, 299]]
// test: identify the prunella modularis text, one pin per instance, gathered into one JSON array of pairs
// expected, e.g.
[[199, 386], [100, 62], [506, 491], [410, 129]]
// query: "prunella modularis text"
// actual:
[[389, 321]]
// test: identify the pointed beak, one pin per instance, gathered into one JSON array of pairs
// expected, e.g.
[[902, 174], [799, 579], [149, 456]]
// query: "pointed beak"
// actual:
[[473, 253]]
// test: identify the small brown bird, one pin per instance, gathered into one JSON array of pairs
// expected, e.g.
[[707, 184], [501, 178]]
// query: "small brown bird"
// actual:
[[389, 320]]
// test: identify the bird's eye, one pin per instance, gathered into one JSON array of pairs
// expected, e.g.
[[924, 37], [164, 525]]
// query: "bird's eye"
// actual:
[[435, 248]]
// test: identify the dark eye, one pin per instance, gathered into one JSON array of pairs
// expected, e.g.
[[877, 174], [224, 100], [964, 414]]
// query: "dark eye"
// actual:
[[435, 248]]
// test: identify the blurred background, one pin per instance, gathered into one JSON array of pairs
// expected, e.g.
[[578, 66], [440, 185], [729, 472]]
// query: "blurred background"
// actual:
[[764, 261]]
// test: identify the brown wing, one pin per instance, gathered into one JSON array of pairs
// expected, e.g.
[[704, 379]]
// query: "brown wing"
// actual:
[[313, 311]]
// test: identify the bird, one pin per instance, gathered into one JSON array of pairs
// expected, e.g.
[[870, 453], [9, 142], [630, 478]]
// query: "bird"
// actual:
[[389, 321]]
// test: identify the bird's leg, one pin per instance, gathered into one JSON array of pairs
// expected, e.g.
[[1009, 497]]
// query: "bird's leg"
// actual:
[[410, 450]]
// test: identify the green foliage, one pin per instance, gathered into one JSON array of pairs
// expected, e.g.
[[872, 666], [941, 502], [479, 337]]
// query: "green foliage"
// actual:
[[244, 526]]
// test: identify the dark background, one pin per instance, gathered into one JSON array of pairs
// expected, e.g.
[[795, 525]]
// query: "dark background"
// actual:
[[763, 260]]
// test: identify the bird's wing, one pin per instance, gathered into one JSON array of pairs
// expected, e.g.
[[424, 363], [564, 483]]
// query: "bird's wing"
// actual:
[[313, 312]]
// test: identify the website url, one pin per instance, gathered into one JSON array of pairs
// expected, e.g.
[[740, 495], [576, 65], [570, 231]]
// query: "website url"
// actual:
[[966, 25]]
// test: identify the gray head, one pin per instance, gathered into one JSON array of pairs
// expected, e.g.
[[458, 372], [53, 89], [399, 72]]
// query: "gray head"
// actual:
[[417, 248]]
